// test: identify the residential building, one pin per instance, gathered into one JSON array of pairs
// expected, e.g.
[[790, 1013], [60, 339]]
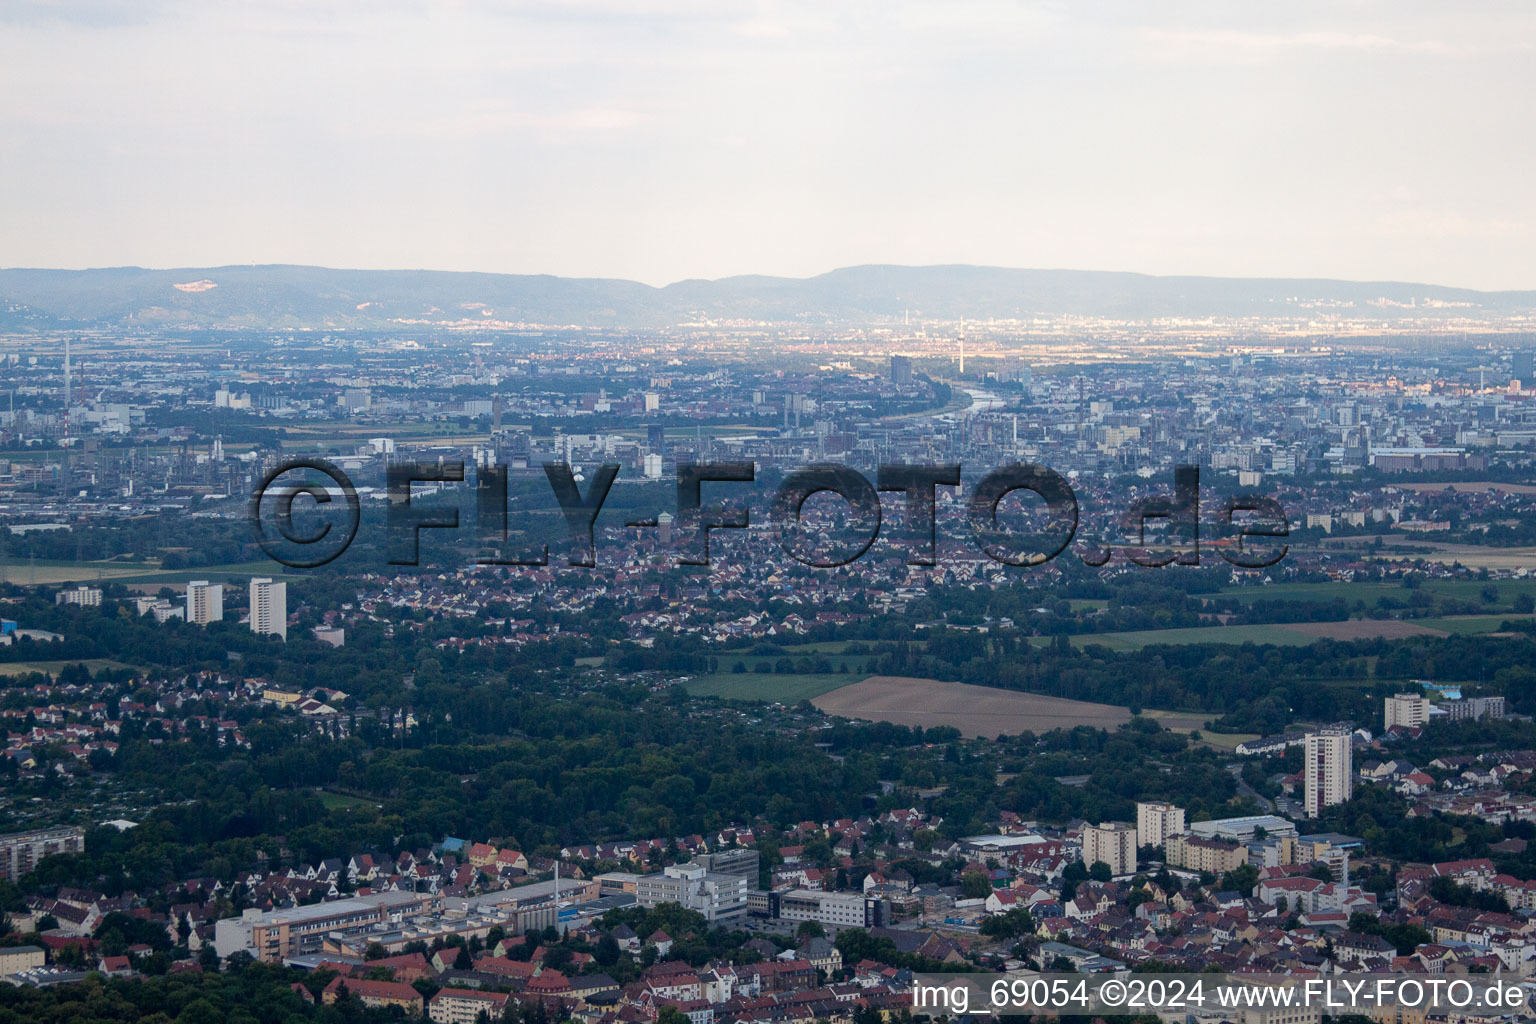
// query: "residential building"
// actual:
[[1213, 856], [376, 995], [20, 851], [205, 602], [1157, 821], [1474, 708], [269, 607], [1410, 710], [1112, 842], [1328, 775], [464, 1006]]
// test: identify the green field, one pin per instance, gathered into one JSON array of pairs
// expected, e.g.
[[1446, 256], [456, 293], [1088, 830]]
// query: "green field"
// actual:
[[831, 650], [26, 572], [1224, 740], [21, 668], [1137, 639], [1471, 625], [782, 687], [1458, 590], [335, 801]]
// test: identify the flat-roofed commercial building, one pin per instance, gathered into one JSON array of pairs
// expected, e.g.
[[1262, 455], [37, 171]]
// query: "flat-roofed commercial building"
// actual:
[[15, 959], [837, 909], [718, 897], [740, 861], [275, 935], [1245, 829]]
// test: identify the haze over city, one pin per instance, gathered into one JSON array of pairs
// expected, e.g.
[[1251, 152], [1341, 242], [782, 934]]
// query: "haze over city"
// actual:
[[669, 139]]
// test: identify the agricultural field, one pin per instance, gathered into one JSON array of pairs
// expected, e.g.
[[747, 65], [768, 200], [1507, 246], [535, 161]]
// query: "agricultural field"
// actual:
[[1474, 487], [1293, 634], [1456, 590], [40, 572], [1472, 625], [977, 711], [1364, 629], [1186, 722], [782, 687], [1134, 640], [21, 668], [1471, 556]]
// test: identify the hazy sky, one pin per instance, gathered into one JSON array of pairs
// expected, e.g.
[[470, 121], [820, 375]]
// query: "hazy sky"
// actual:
[[663, 139]]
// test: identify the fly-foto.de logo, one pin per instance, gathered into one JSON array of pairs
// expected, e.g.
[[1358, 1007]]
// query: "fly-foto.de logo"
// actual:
[[1239, 517]]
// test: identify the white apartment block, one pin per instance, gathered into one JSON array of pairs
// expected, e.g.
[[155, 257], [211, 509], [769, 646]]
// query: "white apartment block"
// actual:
[[269, 607], [1328, 773], [1156, 821], [1112, 842], [205, 602], [1410, 710]]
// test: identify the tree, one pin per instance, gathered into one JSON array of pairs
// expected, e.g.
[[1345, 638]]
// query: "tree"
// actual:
[[464, 961], [1009, 925], [974, 885], [1099, 871], [1241, 879], [606, 952]]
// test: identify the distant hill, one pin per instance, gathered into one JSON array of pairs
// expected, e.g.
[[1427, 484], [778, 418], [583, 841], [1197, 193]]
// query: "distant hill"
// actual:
[[317, 297]]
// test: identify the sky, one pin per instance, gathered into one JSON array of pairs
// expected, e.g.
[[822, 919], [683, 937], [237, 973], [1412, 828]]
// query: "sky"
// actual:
[[659, 140]]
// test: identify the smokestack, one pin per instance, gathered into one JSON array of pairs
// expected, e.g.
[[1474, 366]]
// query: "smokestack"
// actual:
[[66, 376]]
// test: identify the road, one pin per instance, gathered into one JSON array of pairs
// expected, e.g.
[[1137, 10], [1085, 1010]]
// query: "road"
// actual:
[[1244, 789]]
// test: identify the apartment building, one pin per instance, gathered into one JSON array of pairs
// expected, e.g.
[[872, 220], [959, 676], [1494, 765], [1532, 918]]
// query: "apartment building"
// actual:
[[464, 1006], [1157, 821], [269, 607], [1214, 856], [1328, 772], [20, 851], [1410, 710], [88, 597], [205, 602], [1114, 843]]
